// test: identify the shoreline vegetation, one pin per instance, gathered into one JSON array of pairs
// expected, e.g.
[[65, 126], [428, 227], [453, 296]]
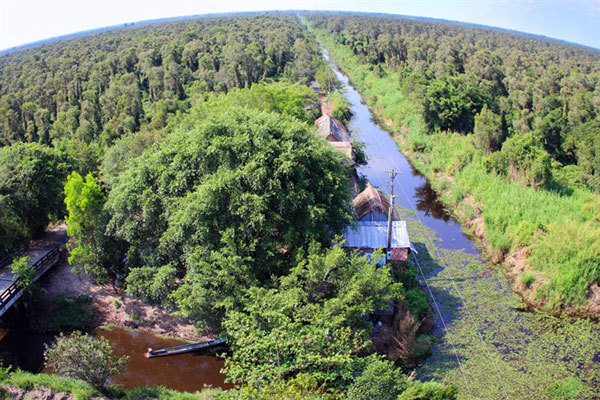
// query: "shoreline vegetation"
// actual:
[[548, 239]]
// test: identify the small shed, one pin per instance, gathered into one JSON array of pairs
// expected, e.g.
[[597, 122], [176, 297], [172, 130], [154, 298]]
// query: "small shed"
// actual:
[[372, 205], [332, 129], [368, 236]]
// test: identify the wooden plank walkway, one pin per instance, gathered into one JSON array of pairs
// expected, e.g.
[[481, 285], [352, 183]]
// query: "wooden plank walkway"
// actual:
[[42, 256]]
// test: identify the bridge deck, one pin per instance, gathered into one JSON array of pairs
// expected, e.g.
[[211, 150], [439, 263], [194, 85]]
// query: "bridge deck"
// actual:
[[42, 254]]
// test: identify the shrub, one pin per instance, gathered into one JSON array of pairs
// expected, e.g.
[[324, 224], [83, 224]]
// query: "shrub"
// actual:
[[80, 356], [428, 391], [527, 279], [24, 272], [379, 380]]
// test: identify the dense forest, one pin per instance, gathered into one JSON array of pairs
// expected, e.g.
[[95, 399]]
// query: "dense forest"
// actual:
[[506, 126], [184, 159], [80, 95]]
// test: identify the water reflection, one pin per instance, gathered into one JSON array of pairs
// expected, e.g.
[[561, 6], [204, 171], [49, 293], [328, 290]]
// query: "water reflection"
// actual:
[[428, 201]]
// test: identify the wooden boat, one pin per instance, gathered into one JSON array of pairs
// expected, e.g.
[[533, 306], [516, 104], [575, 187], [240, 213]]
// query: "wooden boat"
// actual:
[[184, 348]]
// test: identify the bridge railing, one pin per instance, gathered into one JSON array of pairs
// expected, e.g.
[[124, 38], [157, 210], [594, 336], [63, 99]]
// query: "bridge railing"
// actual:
[[14, 288]]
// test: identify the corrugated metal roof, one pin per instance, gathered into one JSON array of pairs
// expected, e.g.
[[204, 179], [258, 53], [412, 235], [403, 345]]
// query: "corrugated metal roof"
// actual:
[[373, 235]]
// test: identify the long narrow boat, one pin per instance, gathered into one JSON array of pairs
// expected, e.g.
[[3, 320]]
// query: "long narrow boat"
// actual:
[[184, 348]]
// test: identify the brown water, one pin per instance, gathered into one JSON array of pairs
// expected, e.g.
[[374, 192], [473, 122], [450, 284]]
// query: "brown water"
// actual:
[[186, 372]]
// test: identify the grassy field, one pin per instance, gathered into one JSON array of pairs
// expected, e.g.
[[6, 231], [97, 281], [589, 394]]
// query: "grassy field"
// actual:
[[559, 229]]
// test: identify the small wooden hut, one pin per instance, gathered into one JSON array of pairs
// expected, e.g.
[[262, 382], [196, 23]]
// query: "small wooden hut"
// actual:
[[372, 205]]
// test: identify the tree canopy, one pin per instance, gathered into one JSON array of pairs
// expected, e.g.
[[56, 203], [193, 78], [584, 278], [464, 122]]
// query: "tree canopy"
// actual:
[[226, 205]]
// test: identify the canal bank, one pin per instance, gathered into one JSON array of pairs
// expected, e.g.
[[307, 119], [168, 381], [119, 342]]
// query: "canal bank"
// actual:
[[65, 301], [487, 345]]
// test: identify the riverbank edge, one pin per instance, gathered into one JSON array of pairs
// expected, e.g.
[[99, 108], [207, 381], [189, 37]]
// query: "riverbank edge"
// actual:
[[515, 264], [23, 385]]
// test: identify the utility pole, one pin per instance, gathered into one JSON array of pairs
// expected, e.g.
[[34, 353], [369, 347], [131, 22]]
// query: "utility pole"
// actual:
[[390, 213]]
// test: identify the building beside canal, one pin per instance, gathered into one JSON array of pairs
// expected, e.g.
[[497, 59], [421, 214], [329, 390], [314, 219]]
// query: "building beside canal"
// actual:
[[372, 211]]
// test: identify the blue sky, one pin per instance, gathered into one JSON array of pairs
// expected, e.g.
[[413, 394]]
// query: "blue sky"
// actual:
[[25, 21]]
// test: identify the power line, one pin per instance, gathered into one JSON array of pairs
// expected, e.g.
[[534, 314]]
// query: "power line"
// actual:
[[453, 280]]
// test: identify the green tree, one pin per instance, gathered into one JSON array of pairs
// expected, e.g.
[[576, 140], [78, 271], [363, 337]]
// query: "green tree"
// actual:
[[227, 199], [313, 322], [86, 220], [24, 273], [31, 176], [488, 130], [379, 380], [81, 356]]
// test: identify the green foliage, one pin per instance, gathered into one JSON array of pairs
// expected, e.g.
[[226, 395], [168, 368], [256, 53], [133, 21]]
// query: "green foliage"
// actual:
[[25, 273], [128, 77], [340, 107], [428, 391], [583, 144], [488, 130], [326, 79], [226, 204], [451, 104], [81, 356], [418, 303], [527, 279], [80, 390], [527, 162], [313, 322], [565, 389], [291, 100], [31, 176], [122, 151], [86, 221], [379, 380], [300, 387]]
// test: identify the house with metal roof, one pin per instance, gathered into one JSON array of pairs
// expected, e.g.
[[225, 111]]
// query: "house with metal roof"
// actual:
[[372, 211], [368, 236]]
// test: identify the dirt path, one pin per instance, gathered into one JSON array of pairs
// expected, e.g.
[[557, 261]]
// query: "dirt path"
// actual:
[[114, 306]]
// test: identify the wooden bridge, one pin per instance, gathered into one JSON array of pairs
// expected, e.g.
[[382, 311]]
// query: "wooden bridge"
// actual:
[[41, 259]]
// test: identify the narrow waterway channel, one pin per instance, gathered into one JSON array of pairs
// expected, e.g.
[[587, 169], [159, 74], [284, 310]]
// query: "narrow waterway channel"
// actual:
[[485, 343]]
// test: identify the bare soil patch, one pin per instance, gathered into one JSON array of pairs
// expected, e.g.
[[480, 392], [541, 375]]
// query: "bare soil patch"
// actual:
[[114, 306]]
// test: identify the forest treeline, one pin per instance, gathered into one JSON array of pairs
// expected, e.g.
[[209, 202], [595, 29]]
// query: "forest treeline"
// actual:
[[97, 87], [78, 96], [184, 159], [507, 128], [542, 96]]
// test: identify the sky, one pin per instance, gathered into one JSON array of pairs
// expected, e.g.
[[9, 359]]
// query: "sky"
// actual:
[[26, 21]]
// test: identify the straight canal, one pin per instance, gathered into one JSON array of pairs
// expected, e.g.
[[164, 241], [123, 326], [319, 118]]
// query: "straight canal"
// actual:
[[485, 343]]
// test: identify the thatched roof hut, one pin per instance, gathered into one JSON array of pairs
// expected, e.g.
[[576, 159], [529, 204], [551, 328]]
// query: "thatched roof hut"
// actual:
[[371, 205], [332, 129]]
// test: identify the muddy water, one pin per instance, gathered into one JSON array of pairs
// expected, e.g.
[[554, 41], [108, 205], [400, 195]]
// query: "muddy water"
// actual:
[[186, 372]]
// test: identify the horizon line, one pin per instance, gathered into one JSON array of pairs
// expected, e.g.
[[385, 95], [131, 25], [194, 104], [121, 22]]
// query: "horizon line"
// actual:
[[122, 25]]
